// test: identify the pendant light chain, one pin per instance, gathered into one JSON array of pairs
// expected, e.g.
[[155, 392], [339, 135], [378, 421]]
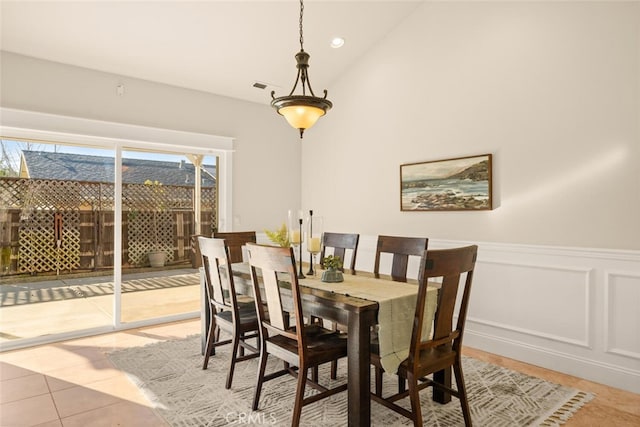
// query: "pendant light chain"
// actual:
[[301, 38], [303, 70]]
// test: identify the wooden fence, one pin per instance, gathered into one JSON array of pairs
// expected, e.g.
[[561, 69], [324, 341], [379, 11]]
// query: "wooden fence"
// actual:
[[66, 226]]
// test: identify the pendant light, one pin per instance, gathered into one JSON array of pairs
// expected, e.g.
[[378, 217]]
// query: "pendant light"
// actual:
[[301, 111]]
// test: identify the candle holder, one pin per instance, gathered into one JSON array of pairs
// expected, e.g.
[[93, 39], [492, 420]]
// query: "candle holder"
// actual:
[[296, 237], [314, 239], [300, 275]]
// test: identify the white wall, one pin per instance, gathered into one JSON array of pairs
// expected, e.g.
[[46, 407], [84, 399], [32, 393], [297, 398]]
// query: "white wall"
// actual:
[[267, 153], [552, 90]]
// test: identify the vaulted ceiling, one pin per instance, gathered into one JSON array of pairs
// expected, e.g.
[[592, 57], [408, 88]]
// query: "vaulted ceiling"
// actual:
[[221, 47]]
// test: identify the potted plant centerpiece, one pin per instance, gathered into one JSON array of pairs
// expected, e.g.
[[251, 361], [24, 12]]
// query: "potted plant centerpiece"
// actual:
[[332, 274]]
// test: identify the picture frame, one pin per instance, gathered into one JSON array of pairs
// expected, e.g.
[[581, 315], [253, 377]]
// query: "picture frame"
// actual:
[[457, 184]]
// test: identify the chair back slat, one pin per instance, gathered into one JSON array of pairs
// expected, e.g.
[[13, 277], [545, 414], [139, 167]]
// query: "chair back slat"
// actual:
[[273, 262], [448, 265], [235, 240], [340, 242], [443, 320], [401, 248], [399, 267], [274, 299], [218, 282], [339, 252]]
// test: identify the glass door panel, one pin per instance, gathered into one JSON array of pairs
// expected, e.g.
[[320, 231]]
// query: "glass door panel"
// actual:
[[159, 277], [56, 239]]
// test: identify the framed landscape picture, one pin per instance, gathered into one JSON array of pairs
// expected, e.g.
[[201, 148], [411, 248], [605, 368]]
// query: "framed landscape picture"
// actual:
[[459, 184]]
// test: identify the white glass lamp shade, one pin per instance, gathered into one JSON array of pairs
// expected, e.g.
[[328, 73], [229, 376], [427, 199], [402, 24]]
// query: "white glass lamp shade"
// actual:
[[301, 116]]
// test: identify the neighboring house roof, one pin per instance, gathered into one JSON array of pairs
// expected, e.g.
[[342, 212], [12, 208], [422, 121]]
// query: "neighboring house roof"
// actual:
[[81, 167]]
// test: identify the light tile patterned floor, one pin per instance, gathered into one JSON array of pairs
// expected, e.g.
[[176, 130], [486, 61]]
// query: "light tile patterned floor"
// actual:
[[73, 383]]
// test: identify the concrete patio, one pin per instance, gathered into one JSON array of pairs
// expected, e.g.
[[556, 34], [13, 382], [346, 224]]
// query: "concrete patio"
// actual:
[[65, 304]]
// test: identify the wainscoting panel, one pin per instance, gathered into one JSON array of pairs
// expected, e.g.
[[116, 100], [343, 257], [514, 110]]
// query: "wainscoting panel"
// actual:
[[622, 319], [511, 296]]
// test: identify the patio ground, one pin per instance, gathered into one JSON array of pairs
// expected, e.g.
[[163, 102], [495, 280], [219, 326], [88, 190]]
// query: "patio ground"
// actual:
[[64, 304]]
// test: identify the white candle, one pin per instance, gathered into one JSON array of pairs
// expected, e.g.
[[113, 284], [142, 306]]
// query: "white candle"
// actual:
[[314, 244], [295, 237]]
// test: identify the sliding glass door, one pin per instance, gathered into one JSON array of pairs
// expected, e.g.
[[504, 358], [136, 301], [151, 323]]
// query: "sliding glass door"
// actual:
[[96, 238]]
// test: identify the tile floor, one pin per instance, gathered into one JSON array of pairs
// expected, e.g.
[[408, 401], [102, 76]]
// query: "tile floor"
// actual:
[[72, 383]]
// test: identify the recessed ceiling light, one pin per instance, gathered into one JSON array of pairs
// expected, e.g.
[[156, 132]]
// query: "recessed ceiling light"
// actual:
[[337, 42]]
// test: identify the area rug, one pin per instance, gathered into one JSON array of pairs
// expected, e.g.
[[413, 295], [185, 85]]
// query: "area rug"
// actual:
[[170, 374]]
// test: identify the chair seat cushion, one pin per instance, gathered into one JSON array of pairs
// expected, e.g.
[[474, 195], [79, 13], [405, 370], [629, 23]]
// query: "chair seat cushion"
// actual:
[[439, 356], [430, 361], [247, 314], [323, 345], [316, 330]]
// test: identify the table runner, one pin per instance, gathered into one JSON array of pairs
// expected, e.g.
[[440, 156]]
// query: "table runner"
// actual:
[[397, 305]]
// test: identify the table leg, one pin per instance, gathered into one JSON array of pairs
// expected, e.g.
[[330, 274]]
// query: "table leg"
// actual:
[[442, 377], [359, 402]]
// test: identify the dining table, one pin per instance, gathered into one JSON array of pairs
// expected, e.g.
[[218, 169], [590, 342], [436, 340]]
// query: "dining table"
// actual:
[[363, 304]]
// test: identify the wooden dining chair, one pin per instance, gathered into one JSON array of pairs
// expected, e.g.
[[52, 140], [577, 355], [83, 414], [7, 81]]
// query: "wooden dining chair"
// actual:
[[238, 320], [401, 248], [443, 350], [305, 346], [235, 240], [340, 243]]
